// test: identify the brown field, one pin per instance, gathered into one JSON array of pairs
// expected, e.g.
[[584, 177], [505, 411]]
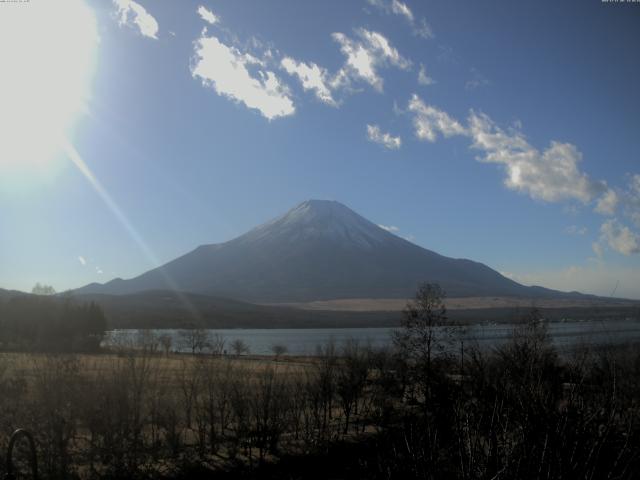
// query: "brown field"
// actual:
[[97, 365], [460, 303]]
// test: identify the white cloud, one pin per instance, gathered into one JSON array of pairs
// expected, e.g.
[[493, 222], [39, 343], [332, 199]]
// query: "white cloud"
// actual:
[[365, 55], [207, 15], [619, 237], [82, 260], [423, 78], [387, 140], [99, 271], [576, 230], [607, 203], [396, 7], [400, 8], [225, 69], [312, 77], [551, 175], [389, 228], [131, 13], [429, 121]]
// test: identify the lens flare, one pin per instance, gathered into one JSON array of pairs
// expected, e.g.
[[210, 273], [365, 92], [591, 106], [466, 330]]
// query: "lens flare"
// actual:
[[48, 52]]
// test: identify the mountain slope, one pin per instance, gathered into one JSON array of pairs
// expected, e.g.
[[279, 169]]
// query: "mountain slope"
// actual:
[[318, 250]]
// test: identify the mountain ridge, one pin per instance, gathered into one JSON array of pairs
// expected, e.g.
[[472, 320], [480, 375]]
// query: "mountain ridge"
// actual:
[[318, 250]]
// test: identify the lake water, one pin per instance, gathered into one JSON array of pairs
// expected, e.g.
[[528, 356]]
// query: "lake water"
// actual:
[[565, 336]]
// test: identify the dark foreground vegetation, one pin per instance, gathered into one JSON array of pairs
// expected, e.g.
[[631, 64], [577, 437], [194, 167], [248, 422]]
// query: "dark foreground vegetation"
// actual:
[[429, 408], [44, 323]]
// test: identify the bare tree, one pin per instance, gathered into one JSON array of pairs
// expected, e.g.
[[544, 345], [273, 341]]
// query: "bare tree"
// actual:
[[217, 343], [321, 390], [239, 347], [351, 379], [268, 403], [147, 340], [195, 339], [166, 341], [40, 289], [424, 332], [214, 402], [278, 350]]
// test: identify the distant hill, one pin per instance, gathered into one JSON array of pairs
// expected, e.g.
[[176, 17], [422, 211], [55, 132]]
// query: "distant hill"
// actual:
[[7, 294], [168, 309], [319, 250]]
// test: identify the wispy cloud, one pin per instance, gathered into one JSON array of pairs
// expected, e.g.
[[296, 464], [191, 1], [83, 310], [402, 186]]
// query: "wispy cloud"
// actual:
[[420, 27], [598, 249], [429, 121], [402, 9], [207, 15], [477, 80], [226, 70], [423, 29], [387, 140], [365, 55], [389, 228], [446, 54], [423, 78], [576, 230], [133, 14], [99, 271], [312, 77], [82, 260], [631, 199], [393, 229]]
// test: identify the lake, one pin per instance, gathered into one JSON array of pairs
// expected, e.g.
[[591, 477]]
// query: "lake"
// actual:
[[565, 336]]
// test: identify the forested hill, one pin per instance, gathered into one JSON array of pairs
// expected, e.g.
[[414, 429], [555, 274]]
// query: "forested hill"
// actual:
[[33, 322]]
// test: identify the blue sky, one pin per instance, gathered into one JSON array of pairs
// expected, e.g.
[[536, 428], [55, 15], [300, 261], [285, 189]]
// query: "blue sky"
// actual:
[[505, 132]]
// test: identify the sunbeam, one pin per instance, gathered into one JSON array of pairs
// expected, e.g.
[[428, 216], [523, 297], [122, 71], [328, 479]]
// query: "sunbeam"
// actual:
[[117, 212]]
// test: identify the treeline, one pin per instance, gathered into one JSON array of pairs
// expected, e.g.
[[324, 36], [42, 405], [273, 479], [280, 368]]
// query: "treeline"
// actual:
[[46, 323]]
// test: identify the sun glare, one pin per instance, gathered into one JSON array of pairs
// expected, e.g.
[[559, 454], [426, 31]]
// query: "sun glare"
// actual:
[[47, 55]]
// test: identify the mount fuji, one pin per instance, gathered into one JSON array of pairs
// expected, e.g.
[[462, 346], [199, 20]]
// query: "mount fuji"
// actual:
[[319, 250]]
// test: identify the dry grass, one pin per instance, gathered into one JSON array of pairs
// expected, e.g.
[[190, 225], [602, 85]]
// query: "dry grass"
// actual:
[[457, 303], [95, 366]]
